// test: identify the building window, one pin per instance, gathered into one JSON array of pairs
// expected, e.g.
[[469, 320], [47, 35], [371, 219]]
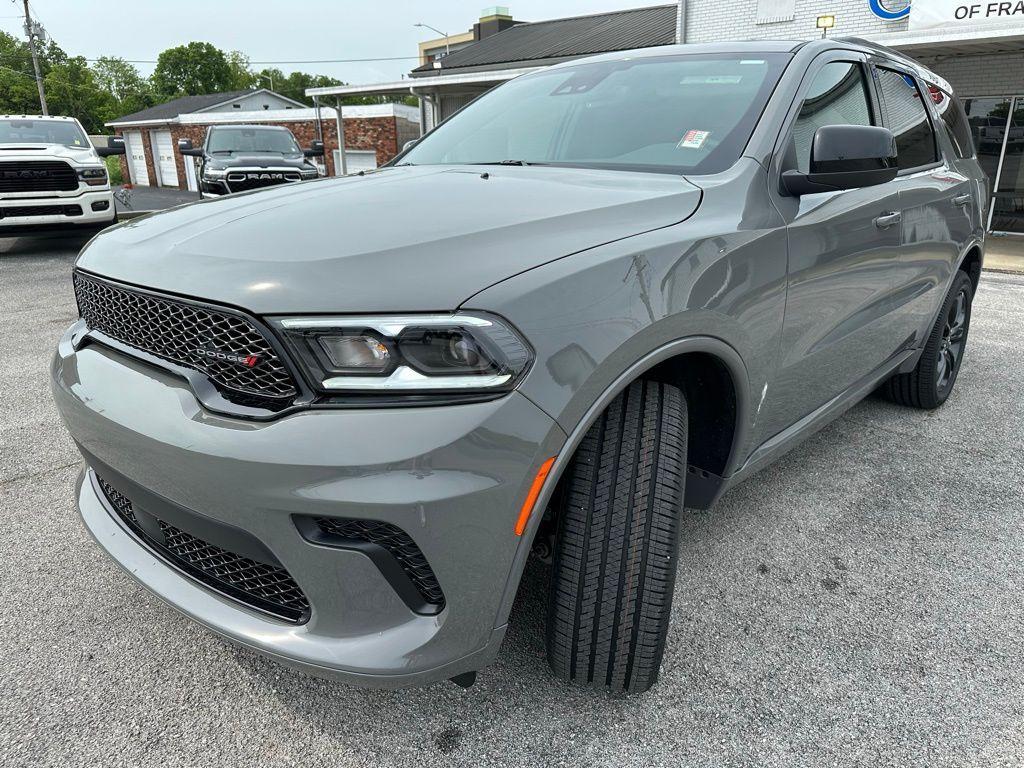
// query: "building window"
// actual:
[[773, 11], [907, 117], [838, 95]]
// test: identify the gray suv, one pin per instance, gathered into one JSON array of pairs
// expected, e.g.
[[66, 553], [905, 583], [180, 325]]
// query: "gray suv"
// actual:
[[331, 420]]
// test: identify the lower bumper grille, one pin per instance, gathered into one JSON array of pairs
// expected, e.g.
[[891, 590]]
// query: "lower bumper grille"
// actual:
[[267, 588], [10, 212]]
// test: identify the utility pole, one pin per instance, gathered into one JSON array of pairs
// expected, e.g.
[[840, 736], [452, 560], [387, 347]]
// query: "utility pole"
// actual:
[[34, 31]]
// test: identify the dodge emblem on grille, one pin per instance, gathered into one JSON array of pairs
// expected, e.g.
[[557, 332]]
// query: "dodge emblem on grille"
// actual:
[[249, 361]]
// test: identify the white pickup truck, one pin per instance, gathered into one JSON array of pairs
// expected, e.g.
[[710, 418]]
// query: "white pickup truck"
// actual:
[[51, 174]]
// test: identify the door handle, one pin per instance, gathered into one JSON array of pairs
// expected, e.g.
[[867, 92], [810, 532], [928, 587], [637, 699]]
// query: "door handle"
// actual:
[[886, 220], [962, 199]]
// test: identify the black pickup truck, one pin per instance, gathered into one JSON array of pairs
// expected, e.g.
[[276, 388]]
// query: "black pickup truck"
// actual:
[[237, 158]]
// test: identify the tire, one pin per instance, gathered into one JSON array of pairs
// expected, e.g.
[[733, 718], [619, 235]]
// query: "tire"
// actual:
[[615, 556], [931, 382]]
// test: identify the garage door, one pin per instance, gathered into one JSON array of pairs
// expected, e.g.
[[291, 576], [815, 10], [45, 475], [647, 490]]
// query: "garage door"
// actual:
[[165, 158], [356, 160], [136, 152]]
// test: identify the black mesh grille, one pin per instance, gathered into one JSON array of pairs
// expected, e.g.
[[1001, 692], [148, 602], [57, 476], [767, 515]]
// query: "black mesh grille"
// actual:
[[232, 353], [40, 210], [398, 543], [266, 587], [38, 176], [242, 181]]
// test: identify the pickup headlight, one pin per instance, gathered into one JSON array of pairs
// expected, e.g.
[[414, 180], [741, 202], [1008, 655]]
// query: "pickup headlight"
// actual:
[[408, 354], [214, 174], [94, 177], [310, 173]]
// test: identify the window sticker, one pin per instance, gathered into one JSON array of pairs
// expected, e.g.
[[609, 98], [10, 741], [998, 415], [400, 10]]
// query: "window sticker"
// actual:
[[711, 80], [694, 139]]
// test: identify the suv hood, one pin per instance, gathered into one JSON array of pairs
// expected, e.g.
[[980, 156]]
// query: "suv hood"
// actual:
[[258, 160], [399, 240]]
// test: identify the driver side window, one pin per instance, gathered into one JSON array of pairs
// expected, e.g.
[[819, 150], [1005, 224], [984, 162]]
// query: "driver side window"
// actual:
[[838, 95]]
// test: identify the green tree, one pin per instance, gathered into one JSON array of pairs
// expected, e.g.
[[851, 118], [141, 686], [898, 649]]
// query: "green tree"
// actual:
[[18, 95], [241, 72], [191, 69], [71, 89], [131, 91]]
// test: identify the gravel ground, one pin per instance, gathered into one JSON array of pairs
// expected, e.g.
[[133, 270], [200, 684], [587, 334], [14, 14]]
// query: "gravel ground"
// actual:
[[858, 603]]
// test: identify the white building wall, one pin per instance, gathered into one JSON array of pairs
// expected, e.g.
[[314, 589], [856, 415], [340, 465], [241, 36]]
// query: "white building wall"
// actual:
[[713, 20], [996, 74], [254, 101]]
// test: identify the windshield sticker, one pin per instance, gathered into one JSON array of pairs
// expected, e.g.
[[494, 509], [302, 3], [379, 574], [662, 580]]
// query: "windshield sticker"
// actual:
[[711, 80], [694, 139]]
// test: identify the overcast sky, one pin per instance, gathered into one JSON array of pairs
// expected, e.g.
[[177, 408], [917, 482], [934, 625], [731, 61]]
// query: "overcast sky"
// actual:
[[274, 30]]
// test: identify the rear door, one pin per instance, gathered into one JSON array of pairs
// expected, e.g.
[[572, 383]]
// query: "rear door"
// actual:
[[842, 246], [938, 202]]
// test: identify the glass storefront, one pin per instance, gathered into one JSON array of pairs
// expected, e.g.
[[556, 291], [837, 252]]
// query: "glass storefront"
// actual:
[[997, 125]]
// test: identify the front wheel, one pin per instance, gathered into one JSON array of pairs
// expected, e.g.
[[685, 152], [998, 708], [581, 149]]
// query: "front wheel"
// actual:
[[931, 382], [615, 557]]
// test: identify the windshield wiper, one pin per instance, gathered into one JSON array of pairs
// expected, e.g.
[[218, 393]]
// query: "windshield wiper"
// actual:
[[509, 162]]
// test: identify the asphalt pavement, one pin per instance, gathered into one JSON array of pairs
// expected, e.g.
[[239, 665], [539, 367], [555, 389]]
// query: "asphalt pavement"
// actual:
[[858, 603]]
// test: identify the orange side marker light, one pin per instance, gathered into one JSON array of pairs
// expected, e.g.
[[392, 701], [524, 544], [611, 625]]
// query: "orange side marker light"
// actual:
[[531, 497]]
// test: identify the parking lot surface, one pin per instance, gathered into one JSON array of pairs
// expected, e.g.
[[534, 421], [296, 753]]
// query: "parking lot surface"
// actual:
[[858, 603]]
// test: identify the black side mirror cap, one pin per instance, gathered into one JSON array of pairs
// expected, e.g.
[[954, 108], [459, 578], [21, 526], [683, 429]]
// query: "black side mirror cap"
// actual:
[[185, 147], [115, 146], [845, 157], [316, 149]]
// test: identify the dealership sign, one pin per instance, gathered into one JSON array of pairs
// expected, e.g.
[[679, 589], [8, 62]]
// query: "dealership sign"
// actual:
[[944, 14]]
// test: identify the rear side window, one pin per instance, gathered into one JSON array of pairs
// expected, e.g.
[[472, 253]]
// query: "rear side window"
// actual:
[[838, 95], [907, 118], [954, 119]]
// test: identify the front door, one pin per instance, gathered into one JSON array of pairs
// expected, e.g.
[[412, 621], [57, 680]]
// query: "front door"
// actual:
[[842, 246]]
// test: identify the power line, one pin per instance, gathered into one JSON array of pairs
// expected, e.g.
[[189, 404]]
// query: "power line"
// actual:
[[289, 61]]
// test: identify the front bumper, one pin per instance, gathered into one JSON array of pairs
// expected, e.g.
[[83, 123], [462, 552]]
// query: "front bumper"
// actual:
[[77, 210], [452, 477]]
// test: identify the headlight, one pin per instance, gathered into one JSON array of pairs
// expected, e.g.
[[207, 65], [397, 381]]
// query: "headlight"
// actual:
[[214, 174], [94, 177], [310, 173], [427, 354]]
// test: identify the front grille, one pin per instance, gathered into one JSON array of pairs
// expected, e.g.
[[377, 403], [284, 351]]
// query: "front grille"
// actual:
[[266, 587], [396, 542], [10, 212], [216, 343], [242, 181], [37, 176]]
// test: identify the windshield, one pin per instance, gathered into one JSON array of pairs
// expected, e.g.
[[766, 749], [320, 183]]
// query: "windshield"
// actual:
[[252, 140], [42, 132], [678, 114]]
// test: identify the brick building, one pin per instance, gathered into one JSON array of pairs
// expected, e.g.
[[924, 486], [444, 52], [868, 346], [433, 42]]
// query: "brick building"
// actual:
[[373, 133], [977, 46]]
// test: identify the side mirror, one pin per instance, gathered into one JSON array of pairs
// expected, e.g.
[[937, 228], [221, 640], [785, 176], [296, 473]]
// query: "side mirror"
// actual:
[[410, 144], [846, 157], [115, 146], [186, 148], [316, 149]]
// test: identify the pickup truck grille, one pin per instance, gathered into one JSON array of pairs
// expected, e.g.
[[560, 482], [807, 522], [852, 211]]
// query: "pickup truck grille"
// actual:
[[230, 350], [37, 176], [241, 181]]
